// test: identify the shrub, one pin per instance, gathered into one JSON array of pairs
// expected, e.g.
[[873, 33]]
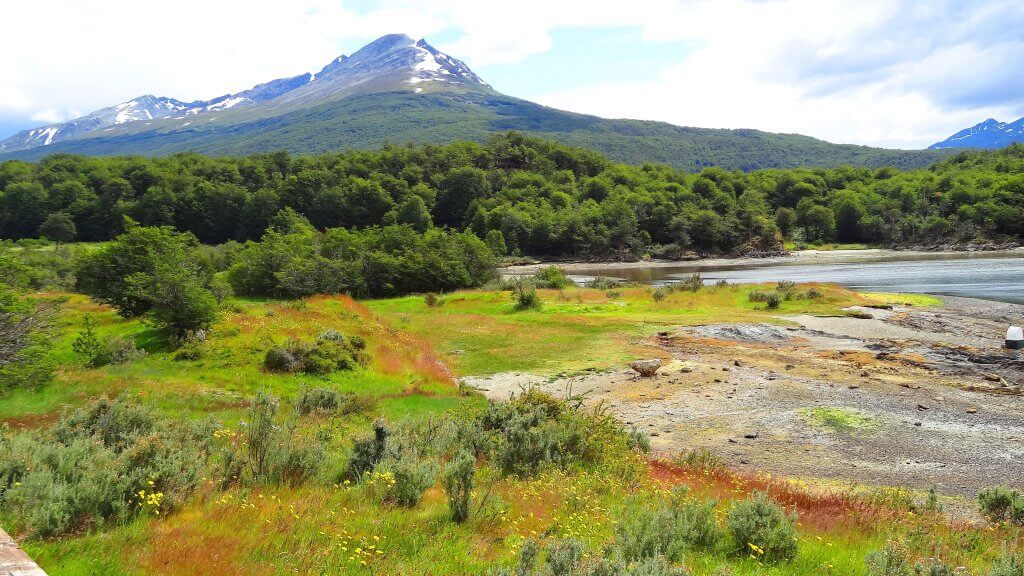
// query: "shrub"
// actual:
[[613, 294], [692, 283], [412, 476], [761, 527], [96, 351], [458, 483], [268, 452], [432, 300], [552, 277], [325, 400], [667, 528], [368, 451], [1009, 564], [1001, 504], [525, 298], [332, 351], [770, 299], [564, 557], [191, 348], [603, 283], [887, 562], [108, 461], [659, 293]]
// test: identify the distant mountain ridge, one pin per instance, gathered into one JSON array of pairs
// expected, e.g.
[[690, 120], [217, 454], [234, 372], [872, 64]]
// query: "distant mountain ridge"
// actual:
[[988, 134], [398, 90]]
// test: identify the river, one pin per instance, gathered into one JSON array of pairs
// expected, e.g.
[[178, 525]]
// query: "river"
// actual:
[[989, 276]]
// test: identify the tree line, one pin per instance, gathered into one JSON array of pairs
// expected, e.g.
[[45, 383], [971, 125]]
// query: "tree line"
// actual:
[[522, 196]]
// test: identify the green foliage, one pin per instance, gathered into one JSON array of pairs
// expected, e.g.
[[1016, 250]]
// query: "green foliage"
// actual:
[[524, 296], [373, 262], [1009, 564], [536, 431], [412, 475], [58, 227], [888, 562], [552, 277], [772, 300], [523, 195], [368, 451], [1001, 504], [151, 271], [109, 461], [458, 483], [25, 343], [330, 352], [759, 527], [667, 528], [692, 283], [270, 451]]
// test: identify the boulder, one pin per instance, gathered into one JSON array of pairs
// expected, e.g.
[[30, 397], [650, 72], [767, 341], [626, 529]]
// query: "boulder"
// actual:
[[646, 368]]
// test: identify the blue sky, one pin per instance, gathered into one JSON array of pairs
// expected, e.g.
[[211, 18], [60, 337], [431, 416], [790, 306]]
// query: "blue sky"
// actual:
[[888, 73]]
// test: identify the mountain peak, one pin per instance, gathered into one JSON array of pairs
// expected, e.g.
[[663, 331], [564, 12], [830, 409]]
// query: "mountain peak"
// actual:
[[391, 63], [988, 134]]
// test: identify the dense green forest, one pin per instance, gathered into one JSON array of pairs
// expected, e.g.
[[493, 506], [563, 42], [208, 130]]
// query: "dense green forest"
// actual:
[[522, 196]]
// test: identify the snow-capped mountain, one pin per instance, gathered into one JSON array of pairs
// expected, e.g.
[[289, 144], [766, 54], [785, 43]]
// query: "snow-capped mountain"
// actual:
[[399, 90], [989, 134], [392, 62]]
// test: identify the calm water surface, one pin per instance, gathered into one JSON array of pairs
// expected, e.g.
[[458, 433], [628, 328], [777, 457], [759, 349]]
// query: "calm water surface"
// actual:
[[979, 276]]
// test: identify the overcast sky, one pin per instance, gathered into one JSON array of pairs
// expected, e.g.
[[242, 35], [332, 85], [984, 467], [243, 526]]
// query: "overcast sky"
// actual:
[[884, 73]]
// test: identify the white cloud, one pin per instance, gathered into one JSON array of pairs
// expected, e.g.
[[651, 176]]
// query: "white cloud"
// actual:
[[882, 72]]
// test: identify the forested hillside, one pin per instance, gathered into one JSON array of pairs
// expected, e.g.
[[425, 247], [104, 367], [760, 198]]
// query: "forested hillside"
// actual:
[[523, 196]]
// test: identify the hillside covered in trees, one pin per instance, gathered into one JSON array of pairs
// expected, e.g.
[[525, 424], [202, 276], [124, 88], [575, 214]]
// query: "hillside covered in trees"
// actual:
[[522, 196]]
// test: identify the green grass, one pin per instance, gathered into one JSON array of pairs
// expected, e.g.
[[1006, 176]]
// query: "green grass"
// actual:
[[839, 420], [924, 300], [316, 529], [578, 328]]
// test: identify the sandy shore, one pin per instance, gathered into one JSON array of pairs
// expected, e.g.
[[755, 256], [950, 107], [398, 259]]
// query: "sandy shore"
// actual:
[[802, 257]]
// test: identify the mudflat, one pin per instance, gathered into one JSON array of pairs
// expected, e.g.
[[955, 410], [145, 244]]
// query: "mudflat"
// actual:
[[904, 396]]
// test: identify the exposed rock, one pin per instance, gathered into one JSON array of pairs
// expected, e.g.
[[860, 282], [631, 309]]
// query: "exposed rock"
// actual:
[[646, 368]]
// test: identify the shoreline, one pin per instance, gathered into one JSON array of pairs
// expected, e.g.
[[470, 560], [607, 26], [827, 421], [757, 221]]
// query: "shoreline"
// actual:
[[802, 257]]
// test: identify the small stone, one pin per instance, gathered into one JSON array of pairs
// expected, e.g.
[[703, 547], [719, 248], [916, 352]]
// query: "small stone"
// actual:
[[736, 363], [972, 410], [751, 435], [865, 374], [790, 366], [732, 440], [991, 377], [918, 424], [923, 407], [853, 386]]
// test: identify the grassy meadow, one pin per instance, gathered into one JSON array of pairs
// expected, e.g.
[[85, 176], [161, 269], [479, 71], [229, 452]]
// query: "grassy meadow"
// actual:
[[417, 351]]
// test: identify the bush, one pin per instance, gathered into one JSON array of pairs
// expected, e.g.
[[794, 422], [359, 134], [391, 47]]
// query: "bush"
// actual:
[[536, 431], [108, 461], [368, 451], [525, 298], [97, 352], [1001, 504], [603, 283], [325, 400], [667, 528], [432, 300], [760, 527], [331, 351], [659, 293], [552, 277], [888, 562], [412, 476], [693, 282], [458, 483], [1007, 565], [771, 299], [269, 452]]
